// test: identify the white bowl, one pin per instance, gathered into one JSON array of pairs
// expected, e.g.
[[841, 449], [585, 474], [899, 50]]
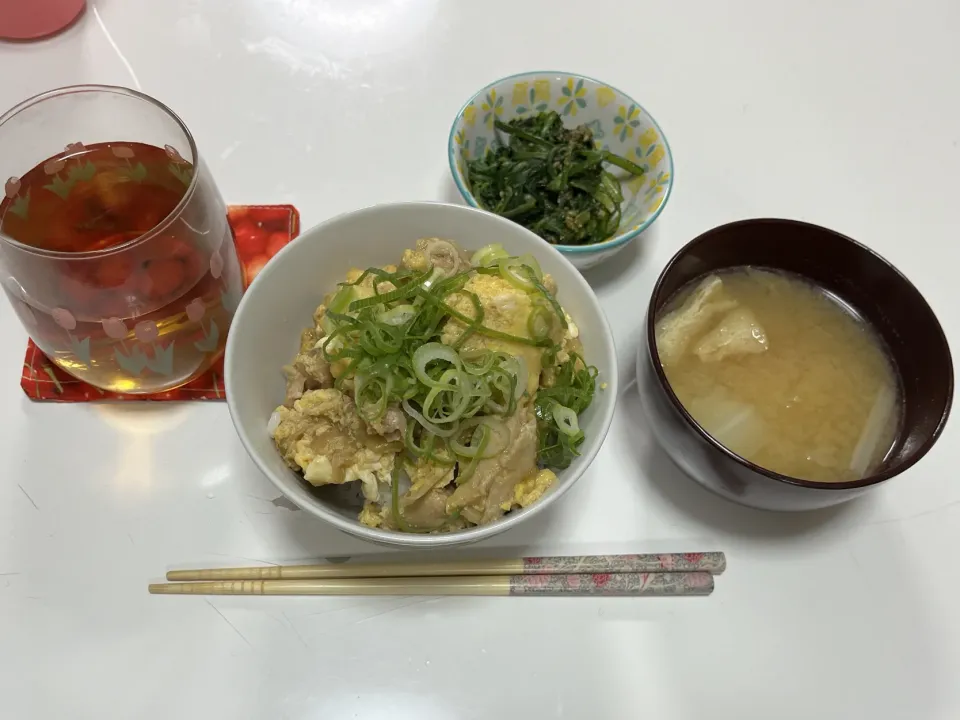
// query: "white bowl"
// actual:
[[280, 303], [619, 124]]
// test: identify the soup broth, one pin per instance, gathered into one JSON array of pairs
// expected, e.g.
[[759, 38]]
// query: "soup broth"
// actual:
[[781, 373]]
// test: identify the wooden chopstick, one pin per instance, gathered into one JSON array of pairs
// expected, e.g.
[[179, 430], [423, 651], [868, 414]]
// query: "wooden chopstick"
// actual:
[[599, 584], [710, 562]]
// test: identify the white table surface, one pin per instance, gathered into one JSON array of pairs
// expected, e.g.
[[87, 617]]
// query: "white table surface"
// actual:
[[846, 113]]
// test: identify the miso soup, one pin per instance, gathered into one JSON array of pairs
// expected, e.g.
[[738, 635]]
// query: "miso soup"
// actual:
[[781, 373]]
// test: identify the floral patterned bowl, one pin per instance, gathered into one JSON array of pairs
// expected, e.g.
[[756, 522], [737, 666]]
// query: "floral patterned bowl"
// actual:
[[618, 122]]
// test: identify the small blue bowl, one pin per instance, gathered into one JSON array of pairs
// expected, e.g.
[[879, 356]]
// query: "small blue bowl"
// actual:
[[619, 124]]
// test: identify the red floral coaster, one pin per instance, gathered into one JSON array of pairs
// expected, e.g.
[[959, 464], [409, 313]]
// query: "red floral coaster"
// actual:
[[259, 231]]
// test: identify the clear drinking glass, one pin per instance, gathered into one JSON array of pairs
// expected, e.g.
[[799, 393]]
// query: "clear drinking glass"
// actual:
[[115, 252]]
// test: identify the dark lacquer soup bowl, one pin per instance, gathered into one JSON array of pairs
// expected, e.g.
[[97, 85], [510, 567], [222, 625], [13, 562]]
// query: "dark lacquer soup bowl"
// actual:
[[873, 287]]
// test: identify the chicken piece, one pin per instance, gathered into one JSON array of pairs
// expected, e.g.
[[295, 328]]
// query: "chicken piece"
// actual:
[[494, 479], [506, 309], [309, 369], [337, 368], [444, 255], [315, 366], [528, 491], [472, 513], [415, 260], [678, 328], [425, 475], [318, 315], [296, 384], [391, 426], [323, 437], [739, 333], [429, 512], [309, 339]]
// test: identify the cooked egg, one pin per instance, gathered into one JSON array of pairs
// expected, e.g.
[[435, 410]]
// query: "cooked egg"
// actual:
[[530, 490]]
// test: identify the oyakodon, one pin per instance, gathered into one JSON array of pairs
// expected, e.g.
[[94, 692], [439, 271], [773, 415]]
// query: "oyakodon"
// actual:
[[449, 387]]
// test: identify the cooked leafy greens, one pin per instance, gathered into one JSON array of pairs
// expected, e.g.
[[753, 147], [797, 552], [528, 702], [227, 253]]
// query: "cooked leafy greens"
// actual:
[[551, 180], [557, 408]]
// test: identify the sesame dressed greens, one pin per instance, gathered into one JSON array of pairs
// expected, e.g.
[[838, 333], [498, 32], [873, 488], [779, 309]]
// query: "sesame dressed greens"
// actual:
[[551, 180]]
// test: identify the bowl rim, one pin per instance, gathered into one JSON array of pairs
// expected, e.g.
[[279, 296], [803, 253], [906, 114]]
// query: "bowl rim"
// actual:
[[617, 240], [413, 540], [654, 357]]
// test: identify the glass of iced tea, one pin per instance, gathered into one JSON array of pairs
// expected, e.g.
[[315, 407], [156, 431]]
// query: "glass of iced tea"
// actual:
[[115, 251]]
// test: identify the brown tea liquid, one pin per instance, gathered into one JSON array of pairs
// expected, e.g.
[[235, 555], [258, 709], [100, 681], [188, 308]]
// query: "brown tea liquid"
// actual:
[[134, 316]]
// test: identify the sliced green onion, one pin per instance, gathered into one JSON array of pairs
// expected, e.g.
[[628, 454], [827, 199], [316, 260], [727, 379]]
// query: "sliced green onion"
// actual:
[[538, 284], [566, 420], [516, 273], [478, 390], [479, 439], [433, 352], [398, 315], [381, 275], [499, 439], [338, 306], [478, 363], [488, 255], [418, 416], [467, 471], [409, 440], [378, 339], [371, 394], [449, 409], [540, 322], [398, 518], [503, 403], [333, 347], [341, 301], [531, 262], [427, 449], [517, 366], [452, 284], [408, 289]]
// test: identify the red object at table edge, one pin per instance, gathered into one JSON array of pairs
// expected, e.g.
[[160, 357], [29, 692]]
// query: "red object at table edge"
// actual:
[[259, 231], [22, 20]]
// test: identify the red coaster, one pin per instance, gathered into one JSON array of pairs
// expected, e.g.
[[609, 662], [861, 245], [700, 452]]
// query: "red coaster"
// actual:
[[259, 231]]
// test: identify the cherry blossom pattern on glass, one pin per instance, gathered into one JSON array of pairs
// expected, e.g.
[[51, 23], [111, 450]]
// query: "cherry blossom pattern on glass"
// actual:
[[196, 310], [41, 380], [79, 346], [155, 355], [132, 359]]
